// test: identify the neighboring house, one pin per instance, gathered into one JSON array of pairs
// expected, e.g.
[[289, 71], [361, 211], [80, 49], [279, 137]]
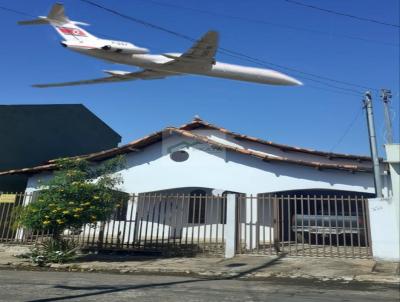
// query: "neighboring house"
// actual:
[[201, 159], [33, 134]]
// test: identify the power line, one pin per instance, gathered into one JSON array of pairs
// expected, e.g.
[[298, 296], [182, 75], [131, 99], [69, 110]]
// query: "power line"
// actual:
[[342, 14], [347, 130], [16, 11], [225, 50], [333, 90], [259, 21]]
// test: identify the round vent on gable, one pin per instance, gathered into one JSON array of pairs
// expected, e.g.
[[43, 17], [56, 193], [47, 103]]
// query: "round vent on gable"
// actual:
[[179, 156]]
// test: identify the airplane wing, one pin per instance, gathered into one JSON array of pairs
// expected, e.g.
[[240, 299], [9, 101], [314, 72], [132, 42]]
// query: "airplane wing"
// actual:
[[202, 53], [116, 76]]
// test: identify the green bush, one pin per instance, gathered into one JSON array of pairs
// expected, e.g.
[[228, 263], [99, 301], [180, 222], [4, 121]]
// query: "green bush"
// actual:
[[79, 193], [68, 206]]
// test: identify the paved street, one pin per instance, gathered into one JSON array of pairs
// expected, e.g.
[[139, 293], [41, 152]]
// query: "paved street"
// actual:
[[63, 286]]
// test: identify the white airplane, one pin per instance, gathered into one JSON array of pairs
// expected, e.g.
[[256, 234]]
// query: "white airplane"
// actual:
[[199, 60]]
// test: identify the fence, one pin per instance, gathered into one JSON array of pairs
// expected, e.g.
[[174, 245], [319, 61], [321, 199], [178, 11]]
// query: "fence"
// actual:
[[299, 225], [177, 224], [333, 226]]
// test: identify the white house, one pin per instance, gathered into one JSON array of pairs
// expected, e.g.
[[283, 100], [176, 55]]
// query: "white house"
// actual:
[[201, 159], [202, 155]]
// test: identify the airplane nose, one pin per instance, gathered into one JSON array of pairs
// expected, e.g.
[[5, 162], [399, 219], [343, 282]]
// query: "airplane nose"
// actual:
[[288, 80], [295, 82]]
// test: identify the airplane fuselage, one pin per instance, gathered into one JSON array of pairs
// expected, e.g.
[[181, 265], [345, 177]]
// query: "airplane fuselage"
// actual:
[[198, 60], [218, 69]]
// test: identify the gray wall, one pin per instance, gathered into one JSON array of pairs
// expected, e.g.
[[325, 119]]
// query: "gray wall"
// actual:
[[32, 134]]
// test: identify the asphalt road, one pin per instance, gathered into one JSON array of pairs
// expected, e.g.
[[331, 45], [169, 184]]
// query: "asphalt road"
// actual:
[[63, 286]]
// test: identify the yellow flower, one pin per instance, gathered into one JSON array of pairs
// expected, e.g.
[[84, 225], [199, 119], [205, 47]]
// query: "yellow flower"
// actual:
[[76, 216], [46, 222], [96, 197], [51, 204], [60, 221], [58, 209], [85, 204], [54, 211], [66, 212], [46, 216], [77, 209]]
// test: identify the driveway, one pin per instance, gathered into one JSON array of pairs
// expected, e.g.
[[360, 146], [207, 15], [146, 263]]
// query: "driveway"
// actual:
[[74, 286]]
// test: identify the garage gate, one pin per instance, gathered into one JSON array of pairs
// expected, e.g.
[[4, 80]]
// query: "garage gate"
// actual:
[[304, 225]]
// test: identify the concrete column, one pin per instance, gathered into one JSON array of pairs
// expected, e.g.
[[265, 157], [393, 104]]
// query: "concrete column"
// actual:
[[231, 226], [252, 234], [130, 218]]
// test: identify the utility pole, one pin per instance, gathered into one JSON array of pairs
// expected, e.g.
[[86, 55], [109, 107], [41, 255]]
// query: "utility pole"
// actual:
[[386, 95], [372, 143]]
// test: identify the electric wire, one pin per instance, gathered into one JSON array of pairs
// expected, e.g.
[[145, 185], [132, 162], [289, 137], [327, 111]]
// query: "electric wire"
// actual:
[[16, 11], [259, 21], [347, 130], [325, 89], [342, 14]]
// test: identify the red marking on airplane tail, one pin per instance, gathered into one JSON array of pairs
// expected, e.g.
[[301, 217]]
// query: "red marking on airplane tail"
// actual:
[[72, 31]]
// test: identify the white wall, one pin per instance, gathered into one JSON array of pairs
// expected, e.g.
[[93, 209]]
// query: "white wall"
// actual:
[[385, 235], [152, 169], [385, 213]]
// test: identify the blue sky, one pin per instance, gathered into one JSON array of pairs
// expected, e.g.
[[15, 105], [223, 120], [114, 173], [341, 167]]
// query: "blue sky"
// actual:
[[300, 116]]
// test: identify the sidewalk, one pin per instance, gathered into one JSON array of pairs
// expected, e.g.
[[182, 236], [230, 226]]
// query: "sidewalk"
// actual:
[[244, 266]]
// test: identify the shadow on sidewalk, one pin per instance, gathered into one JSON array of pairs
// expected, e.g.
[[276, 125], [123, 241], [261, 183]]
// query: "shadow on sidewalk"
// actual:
[[102, 290]]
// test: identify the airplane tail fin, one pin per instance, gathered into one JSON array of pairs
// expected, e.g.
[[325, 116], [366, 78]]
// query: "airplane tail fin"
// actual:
[[67, 28]]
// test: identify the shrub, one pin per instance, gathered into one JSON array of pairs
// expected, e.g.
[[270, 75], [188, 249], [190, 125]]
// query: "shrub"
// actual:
[[79, 193]]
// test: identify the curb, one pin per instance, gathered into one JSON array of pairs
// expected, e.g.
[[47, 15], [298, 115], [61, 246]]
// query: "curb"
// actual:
[[210, 275]]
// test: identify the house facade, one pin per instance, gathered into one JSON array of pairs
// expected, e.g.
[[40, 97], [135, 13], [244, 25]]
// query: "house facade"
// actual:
[[198, 161]]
